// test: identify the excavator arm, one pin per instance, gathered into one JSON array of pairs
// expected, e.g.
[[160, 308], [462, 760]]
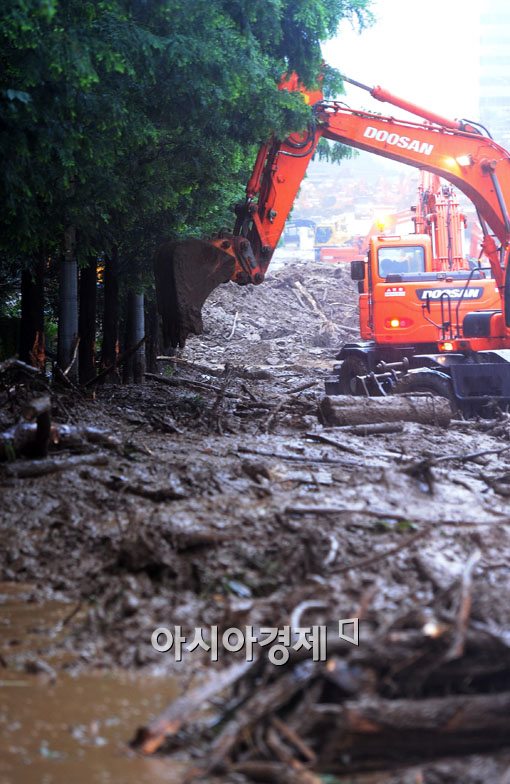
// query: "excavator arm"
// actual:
[[186, 272]]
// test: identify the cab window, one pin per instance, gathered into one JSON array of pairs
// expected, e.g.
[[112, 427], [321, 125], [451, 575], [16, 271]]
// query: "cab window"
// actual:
[[393, 261]]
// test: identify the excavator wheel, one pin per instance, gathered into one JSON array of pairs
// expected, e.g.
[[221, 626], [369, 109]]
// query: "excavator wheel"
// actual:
[[428, 381], [186, 273], [351, 367]]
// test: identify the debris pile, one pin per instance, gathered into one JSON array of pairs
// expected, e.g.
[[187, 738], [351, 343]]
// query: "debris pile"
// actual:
[[216, 496], [428, 684]]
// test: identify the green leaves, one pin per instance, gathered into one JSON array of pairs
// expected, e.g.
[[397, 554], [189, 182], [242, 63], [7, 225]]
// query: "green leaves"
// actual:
[[138, 120]]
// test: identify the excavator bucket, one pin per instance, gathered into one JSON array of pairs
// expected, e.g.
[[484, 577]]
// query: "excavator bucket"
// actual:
[[186, 272]]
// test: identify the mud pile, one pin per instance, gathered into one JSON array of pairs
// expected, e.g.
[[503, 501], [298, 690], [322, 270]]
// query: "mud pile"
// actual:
[[218, 505]]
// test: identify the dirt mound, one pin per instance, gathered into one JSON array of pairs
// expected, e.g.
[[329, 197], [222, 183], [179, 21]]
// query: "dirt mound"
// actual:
[[218, 505]]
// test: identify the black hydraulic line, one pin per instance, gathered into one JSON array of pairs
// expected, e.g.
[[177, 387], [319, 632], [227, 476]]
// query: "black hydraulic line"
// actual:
[[459, 302], [449, 233], [309, 142], [483, 224], [501, 200], [476, 126], [299, 145]]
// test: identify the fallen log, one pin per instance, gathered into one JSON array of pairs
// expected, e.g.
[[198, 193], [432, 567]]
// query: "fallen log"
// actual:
[[486, 713], [374, 732], [347, 410]]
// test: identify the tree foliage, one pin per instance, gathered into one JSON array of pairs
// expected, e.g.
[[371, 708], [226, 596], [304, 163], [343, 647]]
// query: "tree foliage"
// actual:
[[137, 120]]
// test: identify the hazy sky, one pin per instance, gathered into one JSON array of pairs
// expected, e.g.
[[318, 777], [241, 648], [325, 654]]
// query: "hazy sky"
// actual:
[[424, 51]]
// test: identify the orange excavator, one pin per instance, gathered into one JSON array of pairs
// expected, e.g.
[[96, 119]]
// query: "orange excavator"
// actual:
[[436, 325], [434, 288]]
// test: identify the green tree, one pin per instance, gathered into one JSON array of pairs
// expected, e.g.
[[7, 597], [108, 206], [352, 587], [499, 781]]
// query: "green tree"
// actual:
[[123, 122]]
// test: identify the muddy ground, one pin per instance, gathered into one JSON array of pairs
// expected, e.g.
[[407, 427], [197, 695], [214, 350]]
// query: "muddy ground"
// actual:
[[214, 506]]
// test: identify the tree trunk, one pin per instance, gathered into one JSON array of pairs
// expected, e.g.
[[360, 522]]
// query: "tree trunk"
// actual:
[[87, 322], [346, 410], [68, 304], [110, 349], [152, 342], [134, 366], [376, 730], [31, 339]]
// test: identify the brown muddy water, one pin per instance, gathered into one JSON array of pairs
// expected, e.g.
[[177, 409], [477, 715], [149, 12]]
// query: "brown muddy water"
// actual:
[[69, 728]]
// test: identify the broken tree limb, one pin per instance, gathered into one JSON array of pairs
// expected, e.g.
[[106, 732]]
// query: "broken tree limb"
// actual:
[[234, 325], [188, 382], [302, 387], [419, 466], [148, 739], [375, 429], [261, 704], [292, 736], [347, 410], [464, 610], [312, 302], [17, 364], [73, 357], [24, 469], [331, 442]]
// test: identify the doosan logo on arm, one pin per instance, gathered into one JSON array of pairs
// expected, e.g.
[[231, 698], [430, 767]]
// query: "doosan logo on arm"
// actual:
[[395, 140]]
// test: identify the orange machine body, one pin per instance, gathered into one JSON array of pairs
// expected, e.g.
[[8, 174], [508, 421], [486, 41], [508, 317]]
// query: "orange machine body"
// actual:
[[406, 300]]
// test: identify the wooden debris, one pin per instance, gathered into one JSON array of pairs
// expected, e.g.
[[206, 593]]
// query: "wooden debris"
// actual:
[[442, 716], [172, 492], [120, 360], [346, 410], [419, 466], [24, 469], [234, 325], [302, 387], [148, 739], [29, 439], [332, 442], [262, 703], [464, 610], [275, 773], [172, 381], [166, 424], [375, 429], [17, 364]]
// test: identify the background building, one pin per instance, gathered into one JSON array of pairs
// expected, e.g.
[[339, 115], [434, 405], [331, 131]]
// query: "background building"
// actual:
[[495, 69]]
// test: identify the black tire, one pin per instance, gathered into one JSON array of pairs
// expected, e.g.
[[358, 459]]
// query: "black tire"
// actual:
[[352, 366], [428, 381]]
